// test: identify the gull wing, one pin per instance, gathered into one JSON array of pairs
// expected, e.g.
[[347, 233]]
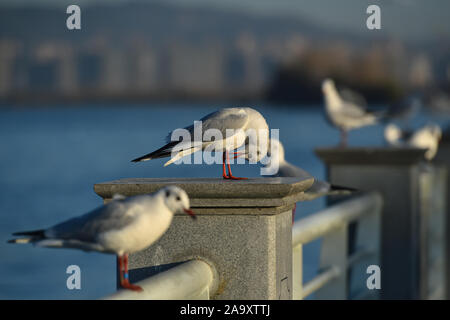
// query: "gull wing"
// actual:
[[86, 228], [223, 119], [353, 97]]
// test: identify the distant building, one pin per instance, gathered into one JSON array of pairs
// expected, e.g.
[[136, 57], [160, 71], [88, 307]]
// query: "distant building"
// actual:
[[89, 67], [8, 56], [196, 69]]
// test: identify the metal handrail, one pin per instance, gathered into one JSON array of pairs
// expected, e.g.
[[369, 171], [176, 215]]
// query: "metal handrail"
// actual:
[[323, 223], [319, 224], [320, 280], [192, 280]]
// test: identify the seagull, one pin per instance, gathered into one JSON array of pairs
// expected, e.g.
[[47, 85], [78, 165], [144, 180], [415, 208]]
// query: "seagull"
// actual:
[[244, 122], [405, 109], [286, 169], [426, 137], [121, 227], [346, 110]]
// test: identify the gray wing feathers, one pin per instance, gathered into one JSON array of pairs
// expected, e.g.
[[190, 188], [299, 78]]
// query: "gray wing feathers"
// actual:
[[353, 97], [227, 118], [86, 227], [352, 110], [318, 188], [289, 170]]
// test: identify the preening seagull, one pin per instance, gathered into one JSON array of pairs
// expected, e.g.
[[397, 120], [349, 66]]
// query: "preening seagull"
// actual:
[[286, 169], [427, 137], [121, 227], [404, 109], [346, 110], [243, 122]]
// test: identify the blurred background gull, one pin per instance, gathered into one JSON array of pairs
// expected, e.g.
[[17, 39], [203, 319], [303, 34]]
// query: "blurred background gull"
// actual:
[[76, 105]]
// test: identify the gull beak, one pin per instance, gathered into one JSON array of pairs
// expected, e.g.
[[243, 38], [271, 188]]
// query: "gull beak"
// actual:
[[190, 213]]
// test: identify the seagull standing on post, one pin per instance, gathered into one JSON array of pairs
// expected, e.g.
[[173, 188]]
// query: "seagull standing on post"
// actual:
[[120, 227], [240, 121], [286, 169], [427, 137], [345, 110]]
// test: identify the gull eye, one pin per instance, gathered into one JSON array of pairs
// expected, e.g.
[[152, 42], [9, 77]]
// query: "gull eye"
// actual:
[[178, 198], [167, 193]]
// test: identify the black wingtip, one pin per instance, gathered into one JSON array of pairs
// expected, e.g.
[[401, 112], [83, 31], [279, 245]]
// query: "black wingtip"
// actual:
[[341, 188], [143, 158], [34, 233]]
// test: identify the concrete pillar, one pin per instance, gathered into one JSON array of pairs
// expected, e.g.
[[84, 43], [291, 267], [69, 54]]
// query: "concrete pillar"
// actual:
[[243, 228], [395, 173], [443, 159], [433, 209]]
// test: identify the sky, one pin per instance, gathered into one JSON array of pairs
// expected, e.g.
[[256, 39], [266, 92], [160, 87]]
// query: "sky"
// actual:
[[407, 19]]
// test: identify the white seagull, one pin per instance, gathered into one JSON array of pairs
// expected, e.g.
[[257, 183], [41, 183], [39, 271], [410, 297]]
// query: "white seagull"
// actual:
[[346, 110], [427, 137], [121, 227], [243, 122], [286, 169]]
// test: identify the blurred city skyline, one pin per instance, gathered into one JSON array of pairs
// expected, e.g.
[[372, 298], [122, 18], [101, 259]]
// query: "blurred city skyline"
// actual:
[[151, 50], [424, 19]]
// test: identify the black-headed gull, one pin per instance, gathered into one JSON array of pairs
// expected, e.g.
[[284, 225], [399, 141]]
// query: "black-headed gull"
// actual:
[[404, 109], [286, 169], [344, 112], [427, 137], [121, 227], [242, 122]]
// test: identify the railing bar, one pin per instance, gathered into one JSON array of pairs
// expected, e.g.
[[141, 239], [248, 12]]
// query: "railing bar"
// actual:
[[359, 255], [366, 295], [310, 228], [189, 280], [437, 293], [320, 280]]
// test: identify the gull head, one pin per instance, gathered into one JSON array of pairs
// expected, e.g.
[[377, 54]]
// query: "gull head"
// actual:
[[392, 134], [327, 85], [177, 200], [256, 150], [275, 152], [435, 131]]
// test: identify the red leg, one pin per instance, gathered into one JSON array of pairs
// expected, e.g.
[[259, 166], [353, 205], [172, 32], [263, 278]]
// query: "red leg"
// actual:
[[293, 213], [229, 171], [238, 154], [120, 262], [124, 281], [224, 174]]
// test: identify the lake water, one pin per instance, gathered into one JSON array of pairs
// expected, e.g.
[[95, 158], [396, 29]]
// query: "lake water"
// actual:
[[51, 158]]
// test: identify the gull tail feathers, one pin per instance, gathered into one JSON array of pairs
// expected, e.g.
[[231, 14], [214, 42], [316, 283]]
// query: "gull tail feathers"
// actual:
[[162, 152], [340, 190], [182, 154], [21, 240], [30, 236]]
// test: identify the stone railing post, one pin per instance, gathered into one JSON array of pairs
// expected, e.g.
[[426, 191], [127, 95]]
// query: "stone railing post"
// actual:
[[443, 160], [243, 229], [395, 173]]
